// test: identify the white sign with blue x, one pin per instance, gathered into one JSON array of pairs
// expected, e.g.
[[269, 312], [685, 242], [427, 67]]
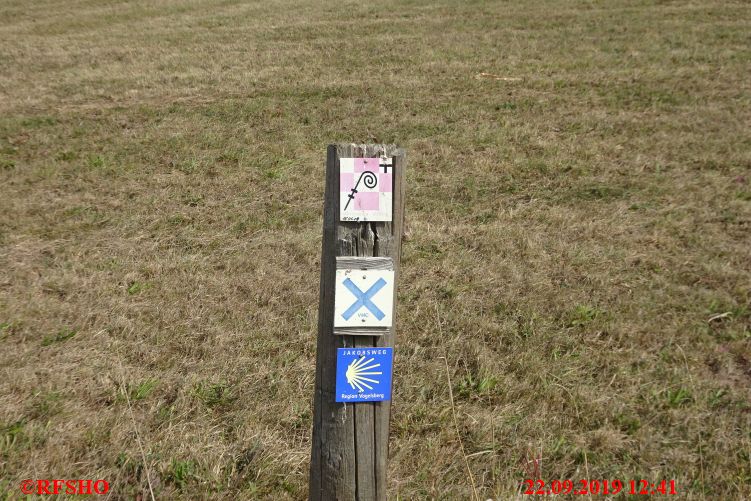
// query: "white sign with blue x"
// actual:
[[364, 298]]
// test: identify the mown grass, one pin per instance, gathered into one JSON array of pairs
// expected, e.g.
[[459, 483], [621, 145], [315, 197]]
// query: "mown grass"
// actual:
[[579, 239]]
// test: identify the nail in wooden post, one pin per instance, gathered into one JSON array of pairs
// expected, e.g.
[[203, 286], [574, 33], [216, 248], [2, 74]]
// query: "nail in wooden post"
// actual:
[[350, 440]]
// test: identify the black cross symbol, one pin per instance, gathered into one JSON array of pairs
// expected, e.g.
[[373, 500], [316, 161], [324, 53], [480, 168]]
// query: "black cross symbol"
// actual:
[[385, 163]]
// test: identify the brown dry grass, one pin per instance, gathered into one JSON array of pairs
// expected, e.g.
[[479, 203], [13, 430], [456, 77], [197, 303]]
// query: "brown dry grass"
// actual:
[[574, 224]]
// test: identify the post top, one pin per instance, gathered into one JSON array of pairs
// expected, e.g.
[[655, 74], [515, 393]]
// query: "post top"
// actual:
[[384, 149]]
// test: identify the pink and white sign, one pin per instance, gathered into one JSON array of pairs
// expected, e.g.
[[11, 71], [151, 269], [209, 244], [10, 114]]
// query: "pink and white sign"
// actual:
[[365, 189]]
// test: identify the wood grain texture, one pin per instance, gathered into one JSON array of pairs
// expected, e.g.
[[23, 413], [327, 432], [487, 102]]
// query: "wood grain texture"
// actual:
[[364, 263], [350, 441]]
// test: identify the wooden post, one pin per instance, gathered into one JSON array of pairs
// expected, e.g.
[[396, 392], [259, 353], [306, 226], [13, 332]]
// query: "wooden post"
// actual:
[[350, 440]]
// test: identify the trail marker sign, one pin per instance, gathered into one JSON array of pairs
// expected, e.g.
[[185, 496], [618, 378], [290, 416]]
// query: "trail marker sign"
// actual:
[[363, 298], [366, 189], [363, 374]]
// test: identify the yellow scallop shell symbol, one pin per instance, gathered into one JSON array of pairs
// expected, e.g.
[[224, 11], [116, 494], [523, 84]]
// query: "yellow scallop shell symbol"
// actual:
[[357, 372]]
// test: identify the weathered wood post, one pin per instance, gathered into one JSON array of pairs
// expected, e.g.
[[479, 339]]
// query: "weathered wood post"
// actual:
[[362, 228]]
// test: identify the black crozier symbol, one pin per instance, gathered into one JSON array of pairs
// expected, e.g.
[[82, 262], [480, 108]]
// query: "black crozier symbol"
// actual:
[[370, 180]]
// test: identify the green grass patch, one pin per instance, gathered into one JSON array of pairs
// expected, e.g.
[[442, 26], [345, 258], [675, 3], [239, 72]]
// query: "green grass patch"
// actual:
[[182, 472], [214, 395], [143, 389], [137, 287], [584, 315], [61, 336]]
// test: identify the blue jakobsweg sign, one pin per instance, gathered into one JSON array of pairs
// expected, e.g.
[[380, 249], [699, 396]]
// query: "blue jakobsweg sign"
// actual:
[[363, 374]]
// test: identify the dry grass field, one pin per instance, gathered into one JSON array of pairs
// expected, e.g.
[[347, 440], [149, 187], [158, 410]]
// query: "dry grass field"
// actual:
[[579, 248]]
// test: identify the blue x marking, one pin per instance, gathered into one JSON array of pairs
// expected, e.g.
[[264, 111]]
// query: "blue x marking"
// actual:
[[363, 299]]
